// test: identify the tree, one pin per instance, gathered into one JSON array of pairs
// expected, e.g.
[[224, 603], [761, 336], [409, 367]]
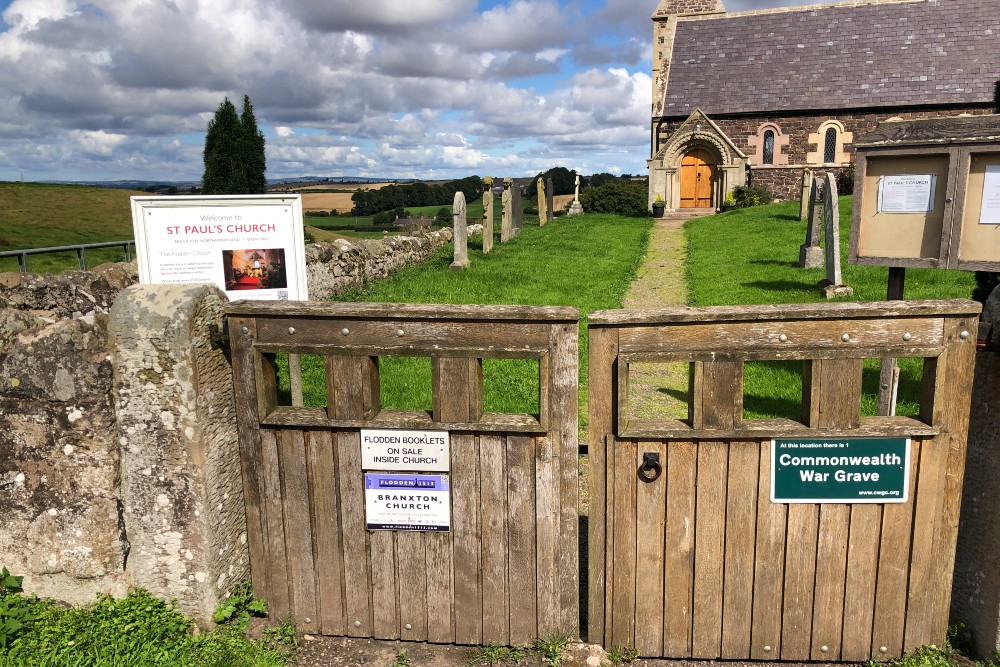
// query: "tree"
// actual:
[[234, 152], [996, 97]]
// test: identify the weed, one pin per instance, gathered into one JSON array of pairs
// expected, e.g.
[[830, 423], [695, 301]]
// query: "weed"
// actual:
[[620, 655], [960, 638], [402, 659], [490, 655], [240, 606], [8, 582], [551, 649]]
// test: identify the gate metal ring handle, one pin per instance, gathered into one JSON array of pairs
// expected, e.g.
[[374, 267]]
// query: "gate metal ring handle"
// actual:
[[650, 469]]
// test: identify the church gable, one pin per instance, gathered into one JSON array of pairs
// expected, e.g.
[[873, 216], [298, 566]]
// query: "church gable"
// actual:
[[874, 54]]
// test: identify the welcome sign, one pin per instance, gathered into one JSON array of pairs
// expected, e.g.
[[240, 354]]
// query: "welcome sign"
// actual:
[[840, 470]]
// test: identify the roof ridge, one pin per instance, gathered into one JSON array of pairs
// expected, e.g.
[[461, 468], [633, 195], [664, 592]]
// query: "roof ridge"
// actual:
[[788, 10]]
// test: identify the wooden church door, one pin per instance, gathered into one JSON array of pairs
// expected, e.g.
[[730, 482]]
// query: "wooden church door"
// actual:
[[697, 173]]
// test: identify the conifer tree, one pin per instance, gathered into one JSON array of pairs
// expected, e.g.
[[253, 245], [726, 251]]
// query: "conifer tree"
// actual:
[[234, 152]]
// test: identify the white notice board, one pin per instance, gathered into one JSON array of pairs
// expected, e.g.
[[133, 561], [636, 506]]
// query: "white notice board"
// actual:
[[906, 194], [990, 214], [250, 246]]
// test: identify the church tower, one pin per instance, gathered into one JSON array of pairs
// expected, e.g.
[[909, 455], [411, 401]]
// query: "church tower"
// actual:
[[664, 28]]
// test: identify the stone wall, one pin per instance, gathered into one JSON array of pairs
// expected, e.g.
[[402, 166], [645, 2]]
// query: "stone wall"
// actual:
[[786, 181], [117, 436]]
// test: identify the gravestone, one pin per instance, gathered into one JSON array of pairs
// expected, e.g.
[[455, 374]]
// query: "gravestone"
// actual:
[[810, 252], [460, 233], [807, 184], [576, 208], [507, 212], [833, 285], [487, 214], [550, 193], [543, 202], [518, 208]]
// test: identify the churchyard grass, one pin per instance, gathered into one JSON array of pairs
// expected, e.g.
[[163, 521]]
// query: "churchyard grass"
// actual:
[[750, 256], [586, 262]]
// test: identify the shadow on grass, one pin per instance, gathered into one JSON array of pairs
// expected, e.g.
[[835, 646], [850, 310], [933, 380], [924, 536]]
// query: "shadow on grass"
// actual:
[[786, 216], [769, 407], [782, 285]]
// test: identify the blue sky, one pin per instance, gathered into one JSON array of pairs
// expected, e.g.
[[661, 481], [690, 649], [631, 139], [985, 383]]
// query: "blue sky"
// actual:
[[123, 89]]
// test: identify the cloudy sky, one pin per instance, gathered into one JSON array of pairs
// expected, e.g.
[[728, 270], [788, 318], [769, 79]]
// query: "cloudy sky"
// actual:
[[123, 89]]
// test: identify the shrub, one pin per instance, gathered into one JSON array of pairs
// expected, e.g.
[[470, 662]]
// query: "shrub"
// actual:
[[746, 196], [618, 197], [845, 181], [986, 282], [443, 216]]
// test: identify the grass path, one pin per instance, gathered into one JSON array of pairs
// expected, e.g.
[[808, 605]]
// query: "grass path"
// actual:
[[659, 391]]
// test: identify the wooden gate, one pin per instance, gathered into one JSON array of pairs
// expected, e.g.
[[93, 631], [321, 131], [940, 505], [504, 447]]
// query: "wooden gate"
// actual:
[[700, 563], [507, 571]]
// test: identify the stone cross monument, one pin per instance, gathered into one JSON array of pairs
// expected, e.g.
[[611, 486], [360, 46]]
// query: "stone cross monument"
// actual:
[[576, 208], [516, 194], [460, 233]]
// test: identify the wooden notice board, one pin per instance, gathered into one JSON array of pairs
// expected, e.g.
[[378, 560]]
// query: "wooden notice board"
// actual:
[[927, 194]]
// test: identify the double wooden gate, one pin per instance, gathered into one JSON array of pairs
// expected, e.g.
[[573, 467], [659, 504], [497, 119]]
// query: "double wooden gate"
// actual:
[[701, 563], [507, 571]]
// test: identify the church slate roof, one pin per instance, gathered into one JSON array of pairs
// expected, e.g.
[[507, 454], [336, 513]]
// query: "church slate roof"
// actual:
[[854, 55]]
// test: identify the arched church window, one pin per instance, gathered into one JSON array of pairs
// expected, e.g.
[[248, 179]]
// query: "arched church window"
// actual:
[[830, 145], [768, 157]]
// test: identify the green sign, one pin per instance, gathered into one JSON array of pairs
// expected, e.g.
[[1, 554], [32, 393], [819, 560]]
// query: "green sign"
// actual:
[[840, 470]]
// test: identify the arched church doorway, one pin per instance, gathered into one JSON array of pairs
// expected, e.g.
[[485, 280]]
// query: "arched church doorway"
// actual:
[[697, 179]]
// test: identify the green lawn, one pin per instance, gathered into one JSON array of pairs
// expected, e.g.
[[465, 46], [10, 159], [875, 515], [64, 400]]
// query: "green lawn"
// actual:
[[586, 261], [750, 256]]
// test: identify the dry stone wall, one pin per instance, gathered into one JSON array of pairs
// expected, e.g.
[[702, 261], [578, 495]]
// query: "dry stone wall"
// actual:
[[117, 437]]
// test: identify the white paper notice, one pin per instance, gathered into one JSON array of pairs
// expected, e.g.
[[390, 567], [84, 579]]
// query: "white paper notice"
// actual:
[[906, 194], [990, 214], [250, 247]]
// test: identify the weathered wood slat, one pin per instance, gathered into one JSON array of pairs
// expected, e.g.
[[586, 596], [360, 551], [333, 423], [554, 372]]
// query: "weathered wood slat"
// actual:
[[410, 419], [602, 351], [894, 568], [769, 570], [649, 540], [298, 527], [279, 601], [329, 556], [741, 517], [775, 428], [411, 579], [547, 521], [332, 310], [440, 588], [493, 509], [800, 573], [710, 541], [862, 569], [786, 311], [357, 570], [623, 604], [521, 538], [681, 473], [245, 392], [385, 603], [779, 353]]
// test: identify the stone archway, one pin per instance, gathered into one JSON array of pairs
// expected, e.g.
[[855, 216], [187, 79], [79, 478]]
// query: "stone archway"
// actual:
[[697, 135], [697, 179]]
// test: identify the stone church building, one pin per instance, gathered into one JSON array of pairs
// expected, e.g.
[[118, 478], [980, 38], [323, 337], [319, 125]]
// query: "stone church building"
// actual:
[[759, 96]]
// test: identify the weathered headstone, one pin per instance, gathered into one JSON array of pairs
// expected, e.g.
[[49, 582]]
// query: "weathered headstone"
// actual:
[[518, 209], [576, 208], [810, 252], [487, 214], [460, 233], [550, 193], [807, 184], [507, 213], [833, 285], [543, 201]]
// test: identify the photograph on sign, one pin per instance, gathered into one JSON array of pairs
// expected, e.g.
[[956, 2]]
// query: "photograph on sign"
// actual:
[[397, 449], [990, 212], [840, 470], [906, 194], [407, 502], [249, 246]]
